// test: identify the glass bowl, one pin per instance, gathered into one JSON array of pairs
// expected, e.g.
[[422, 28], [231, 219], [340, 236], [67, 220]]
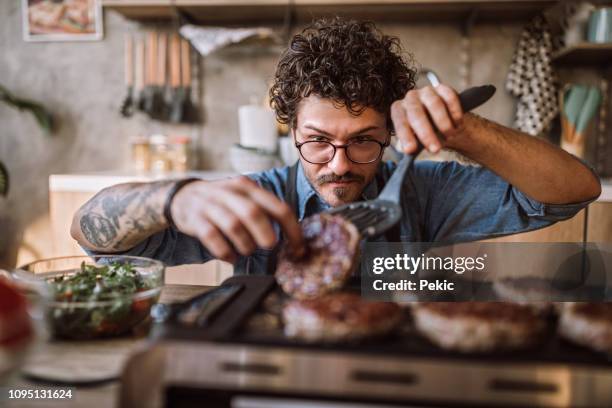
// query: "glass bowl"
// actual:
[[95, 296]]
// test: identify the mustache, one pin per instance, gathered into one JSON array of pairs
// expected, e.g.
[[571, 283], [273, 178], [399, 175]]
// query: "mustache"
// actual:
[[332, 178]]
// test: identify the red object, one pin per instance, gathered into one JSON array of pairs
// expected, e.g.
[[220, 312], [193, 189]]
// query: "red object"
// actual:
[[15, 323], [141, 305]]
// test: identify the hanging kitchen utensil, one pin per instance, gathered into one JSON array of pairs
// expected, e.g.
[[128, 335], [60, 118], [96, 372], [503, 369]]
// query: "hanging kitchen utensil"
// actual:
[[579, 105], [190, 112], [140, 68], [175, 103], [158, 110], [150, 72], [127, 107]]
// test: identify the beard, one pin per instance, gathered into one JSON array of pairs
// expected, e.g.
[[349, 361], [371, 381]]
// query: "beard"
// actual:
[[336, 195], [343, 194]]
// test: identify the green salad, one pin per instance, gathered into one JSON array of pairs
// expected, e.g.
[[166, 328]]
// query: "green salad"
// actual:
[[99, 301]]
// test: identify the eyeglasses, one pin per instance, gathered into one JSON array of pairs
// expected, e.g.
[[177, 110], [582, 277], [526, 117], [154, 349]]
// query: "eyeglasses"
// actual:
[[360, 151]]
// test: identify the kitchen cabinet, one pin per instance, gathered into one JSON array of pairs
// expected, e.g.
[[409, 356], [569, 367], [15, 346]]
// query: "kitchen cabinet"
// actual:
[[600, 222], [243, 11]]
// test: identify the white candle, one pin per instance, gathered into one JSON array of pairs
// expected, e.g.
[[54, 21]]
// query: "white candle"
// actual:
[[257, 127]]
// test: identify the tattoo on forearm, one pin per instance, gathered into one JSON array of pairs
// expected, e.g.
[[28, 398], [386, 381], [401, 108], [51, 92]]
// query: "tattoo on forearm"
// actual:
[[98, 230], [121, 218], [115, 207]]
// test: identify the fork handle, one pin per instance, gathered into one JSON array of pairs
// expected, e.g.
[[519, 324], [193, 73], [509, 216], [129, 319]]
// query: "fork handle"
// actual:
[[470, 99]]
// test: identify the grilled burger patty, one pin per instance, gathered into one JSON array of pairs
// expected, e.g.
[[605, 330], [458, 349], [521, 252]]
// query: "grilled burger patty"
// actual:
[[331, 250], [339, 316], [479, 326], [534, 292], [587, 324]]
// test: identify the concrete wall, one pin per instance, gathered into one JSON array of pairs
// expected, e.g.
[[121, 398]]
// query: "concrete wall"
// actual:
[[82, 84]]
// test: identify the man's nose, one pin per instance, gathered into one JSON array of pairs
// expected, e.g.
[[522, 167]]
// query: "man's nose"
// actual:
[[340, 164]]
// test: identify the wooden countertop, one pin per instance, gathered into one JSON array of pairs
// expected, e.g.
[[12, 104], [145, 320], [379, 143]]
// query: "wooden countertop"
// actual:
[[107, 353]]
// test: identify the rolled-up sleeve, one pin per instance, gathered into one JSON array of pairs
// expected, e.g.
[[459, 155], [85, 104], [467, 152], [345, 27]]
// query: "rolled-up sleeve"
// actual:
[[551, 212], [466, 203]]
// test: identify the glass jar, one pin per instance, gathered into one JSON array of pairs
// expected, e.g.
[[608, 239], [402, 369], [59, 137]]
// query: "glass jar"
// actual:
[[181, 153], [161, 160], [140, 154]]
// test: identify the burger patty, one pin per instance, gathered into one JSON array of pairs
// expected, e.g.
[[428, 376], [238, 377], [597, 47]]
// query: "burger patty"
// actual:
[[339, 317], [479, 327], [587, 324], [534, 292], [331, 250]]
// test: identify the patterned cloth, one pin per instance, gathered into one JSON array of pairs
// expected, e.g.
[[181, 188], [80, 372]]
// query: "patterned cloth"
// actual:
[[531, 78]]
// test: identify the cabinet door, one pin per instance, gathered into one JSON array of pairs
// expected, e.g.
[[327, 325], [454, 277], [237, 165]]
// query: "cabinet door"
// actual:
[[600, 222], [62, 207]]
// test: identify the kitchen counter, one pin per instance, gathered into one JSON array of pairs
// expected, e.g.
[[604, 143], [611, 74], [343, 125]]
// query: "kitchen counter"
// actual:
[[96, 181]]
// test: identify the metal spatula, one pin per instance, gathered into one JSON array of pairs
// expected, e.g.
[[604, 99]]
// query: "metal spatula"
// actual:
[[374, 217]]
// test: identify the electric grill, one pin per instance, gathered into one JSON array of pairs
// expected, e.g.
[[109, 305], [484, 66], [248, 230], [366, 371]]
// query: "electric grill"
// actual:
[[227, 348]]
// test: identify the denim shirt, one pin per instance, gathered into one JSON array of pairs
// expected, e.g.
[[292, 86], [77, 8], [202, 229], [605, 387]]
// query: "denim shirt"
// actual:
[[441, 202]]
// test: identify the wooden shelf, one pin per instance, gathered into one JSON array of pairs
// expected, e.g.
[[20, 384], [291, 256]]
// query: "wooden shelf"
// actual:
[[585, 54], [231, 12]]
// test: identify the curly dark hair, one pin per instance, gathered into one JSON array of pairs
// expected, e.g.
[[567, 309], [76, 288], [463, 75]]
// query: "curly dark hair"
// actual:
[[350, 62]]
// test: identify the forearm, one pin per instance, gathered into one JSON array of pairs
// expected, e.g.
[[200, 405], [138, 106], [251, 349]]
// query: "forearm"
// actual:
[[119, 217], [537, 168]]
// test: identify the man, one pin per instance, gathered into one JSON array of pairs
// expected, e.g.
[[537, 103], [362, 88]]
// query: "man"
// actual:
[[344, 89]]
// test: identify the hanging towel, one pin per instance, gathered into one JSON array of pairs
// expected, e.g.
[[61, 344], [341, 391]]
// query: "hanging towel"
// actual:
[[209, 39], [531, 78]]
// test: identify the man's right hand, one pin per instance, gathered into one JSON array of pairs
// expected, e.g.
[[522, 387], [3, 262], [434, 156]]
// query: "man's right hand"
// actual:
[[234, 215]]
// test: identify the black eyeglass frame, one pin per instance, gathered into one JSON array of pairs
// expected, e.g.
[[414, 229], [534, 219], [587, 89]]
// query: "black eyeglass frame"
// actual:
[[382, 145]]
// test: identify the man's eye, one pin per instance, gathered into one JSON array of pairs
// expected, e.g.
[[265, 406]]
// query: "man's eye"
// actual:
[[319, 138]]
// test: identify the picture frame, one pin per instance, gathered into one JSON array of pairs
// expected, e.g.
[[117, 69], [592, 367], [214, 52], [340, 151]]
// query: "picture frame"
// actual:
[[62, 20]]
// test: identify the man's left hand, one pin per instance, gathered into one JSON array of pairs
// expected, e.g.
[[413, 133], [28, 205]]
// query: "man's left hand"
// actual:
[[417, 116]]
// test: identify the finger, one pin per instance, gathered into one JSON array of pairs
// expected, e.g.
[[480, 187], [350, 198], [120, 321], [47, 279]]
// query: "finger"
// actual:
[[281, 212], [403, 132], [251, 215], [231, 226], [453, 104], [421, 124], [239, 183], [213, 240], [437, 111]]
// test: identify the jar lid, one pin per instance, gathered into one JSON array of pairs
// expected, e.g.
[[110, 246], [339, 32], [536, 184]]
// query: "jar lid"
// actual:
[[181, 139]]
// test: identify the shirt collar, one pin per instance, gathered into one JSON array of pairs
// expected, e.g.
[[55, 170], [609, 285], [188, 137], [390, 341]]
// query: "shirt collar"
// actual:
[[309, 201]]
